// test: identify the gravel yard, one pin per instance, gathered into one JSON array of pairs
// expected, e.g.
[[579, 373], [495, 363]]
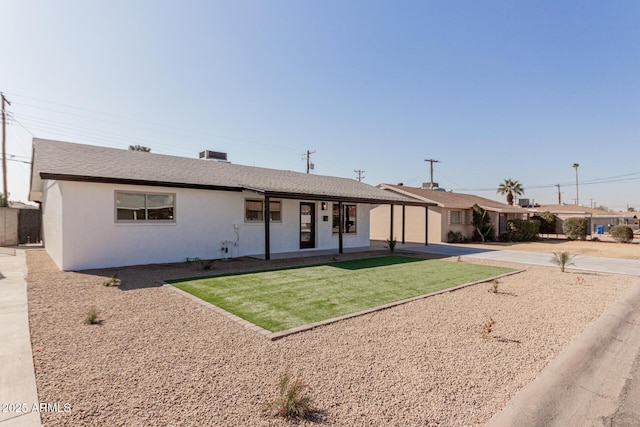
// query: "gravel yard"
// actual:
[[161, 359]]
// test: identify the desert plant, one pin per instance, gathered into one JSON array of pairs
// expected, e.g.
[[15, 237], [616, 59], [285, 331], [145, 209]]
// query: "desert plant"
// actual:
[[579, 280], [92, 317], [562, 259], [494, 287], [575, 228], [113, 281], [622, 233], [487, 327], [292, 401], [510, 187], [391, 244]]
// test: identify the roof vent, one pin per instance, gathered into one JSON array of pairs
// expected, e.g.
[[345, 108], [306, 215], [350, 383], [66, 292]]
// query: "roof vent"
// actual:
[[213, 155]]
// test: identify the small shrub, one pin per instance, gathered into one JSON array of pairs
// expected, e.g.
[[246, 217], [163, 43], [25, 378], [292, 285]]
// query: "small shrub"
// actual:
[[562, 259], [579, 280], [494, 287], [622, 233], [92, 317], [595, 239], [206, 264], [291, 402], [113, 281], [575, 228], [391, 244], [455, 237], [487, 327]]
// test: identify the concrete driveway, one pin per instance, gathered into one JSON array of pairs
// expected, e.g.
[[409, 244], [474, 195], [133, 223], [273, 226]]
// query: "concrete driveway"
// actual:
[[578, 263]]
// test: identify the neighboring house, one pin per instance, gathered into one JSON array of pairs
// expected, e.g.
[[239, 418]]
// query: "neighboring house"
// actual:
[[594, 216], [105, 207], [449, 212]]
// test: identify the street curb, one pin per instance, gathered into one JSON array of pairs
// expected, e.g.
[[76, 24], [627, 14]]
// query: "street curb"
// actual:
[[583, 384]]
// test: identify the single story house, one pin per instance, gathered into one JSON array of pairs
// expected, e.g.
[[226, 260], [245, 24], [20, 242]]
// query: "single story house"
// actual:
[[595, 217], [106, 207], [449, 211]]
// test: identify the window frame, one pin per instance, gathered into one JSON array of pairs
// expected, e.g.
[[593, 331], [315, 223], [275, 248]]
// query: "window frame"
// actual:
[[458, 214], [146, 220], [345, 206], [261, 201]]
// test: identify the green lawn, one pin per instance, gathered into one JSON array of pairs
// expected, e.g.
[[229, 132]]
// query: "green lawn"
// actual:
[[283, 299]]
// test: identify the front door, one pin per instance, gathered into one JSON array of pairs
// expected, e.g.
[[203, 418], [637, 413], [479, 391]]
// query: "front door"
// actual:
[[307, 225]]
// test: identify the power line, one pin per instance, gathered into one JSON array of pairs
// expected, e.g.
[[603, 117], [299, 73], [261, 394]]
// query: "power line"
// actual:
[[360, 174], [618, 178], [175, 130]]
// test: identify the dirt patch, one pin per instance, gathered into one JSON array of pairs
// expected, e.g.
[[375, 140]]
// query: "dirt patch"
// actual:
[[161, 359]]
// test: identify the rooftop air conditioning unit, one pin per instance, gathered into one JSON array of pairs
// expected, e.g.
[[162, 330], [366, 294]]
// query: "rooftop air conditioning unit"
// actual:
[[213, 155]]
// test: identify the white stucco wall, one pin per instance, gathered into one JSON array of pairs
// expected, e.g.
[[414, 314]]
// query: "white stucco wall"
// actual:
[[81, 232], [52, 220]]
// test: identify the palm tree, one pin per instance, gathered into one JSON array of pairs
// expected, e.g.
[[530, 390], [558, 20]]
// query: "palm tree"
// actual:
[[510, 187]]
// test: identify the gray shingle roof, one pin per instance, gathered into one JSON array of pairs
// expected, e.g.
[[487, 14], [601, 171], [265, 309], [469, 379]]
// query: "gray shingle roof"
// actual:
[[453, 200], [64, 160]]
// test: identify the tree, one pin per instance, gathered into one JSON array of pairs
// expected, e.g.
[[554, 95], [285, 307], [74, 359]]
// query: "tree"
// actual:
[[547, 222], [631, 209], [4, 201], [481, 221], [139, 148], [510, 187]]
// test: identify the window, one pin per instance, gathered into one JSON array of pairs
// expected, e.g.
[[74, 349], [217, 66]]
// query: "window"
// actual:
[[254, 211], [349, 217], [145, 206], [456, 217]]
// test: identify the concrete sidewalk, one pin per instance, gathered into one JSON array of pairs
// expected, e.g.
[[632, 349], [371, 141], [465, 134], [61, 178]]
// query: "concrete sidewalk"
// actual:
[[17, 377]]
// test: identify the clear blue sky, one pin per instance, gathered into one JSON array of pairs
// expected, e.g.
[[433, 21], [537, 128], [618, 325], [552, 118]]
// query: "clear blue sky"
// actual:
[[492, 89]]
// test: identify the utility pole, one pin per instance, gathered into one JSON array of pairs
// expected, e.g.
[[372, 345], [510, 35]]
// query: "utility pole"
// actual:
[[432, 161], [559, 197], [308, 155], [4, 151], [576, 166], [360, 176]]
